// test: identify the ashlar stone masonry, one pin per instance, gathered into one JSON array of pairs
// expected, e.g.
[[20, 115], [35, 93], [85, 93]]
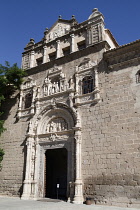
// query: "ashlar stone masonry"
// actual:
[[73, 131]]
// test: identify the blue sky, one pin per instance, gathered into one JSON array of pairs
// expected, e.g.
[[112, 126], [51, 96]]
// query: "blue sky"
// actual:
[[21, 20]]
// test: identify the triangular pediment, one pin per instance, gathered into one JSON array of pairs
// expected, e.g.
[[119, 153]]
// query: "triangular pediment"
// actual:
[[60, 28]]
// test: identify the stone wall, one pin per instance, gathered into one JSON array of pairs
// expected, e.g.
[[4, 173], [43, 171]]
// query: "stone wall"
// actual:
[[111, 146], [110, 134], [13, 143]]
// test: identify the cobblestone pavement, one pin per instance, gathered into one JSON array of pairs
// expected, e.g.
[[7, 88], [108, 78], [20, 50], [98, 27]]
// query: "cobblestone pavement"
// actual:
[[8, 203]]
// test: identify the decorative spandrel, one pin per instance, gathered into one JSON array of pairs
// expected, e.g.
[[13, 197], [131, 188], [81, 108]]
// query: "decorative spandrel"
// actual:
[[56, 125]]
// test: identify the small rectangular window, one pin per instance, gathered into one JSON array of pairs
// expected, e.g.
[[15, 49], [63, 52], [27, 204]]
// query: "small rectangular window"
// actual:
[[52, 56], [81, 45], [39, 61], [138, 77], [66, 51]]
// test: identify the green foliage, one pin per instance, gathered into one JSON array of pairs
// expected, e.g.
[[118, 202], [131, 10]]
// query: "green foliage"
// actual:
[[11, 77], [1, 156]]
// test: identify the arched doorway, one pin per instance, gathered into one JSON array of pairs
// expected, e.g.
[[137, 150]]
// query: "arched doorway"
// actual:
[[56, 173]]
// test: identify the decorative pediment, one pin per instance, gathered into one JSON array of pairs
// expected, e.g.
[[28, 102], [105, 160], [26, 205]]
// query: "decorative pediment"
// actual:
[[56, 69], [86, 64], [58, 29]]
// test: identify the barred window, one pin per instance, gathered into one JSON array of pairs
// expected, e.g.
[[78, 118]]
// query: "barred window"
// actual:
[[87, 85], [28, 100]]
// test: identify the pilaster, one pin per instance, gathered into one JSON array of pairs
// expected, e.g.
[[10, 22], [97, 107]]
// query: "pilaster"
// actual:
[[45, 55], [97, 95], [72, 46], [78, 198], [32, 59], [58, 49]]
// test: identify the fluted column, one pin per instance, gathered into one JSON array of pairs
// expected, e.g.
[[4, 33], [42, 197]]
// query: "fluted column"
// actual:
[[58, 49], [72, 46], [32, 59], [89, 37]]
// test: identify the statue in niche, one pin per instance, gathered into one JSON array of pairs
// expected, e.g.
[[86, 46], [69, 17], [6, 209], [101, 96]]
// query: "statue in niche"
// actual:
[[47, 85], [57, 87], [54, 87], [50, 89], [51, 127]]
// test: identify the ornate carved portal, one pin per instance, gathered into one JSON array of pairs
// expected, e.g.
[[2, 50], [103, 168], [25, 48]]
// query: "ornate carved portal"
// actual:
[[55, 135]]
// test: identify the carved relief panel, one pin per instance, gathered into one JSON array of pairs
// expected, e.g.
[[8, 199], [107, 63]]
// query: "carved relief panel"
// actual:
[[57, 124], [56, 82]]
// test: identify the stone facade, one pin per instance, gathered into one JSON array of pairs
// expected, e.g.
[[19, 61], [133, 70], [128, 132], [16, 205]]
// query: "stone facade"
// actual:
[[82, 94]]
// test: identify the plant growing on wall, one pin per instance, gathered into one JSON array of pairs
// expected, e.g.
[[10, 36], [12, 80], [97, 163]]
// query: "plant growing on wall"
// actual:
[[11, 77]]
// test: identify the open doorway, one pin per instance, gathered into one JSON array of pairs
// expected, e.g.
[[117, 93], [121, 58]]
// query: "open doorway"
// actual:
[[56, 173]]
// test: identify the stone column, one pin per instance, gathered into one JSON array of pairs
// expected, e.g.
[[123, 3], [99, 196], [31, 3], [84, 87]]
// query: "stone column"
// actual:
[[45, 55], [88, 41], [72, 46], [77, 85], [20, 100], [58, 49], [78, 198], [27, 182], [32, 59], [33, 99], [97, 96], [20, 103], [36, 178]]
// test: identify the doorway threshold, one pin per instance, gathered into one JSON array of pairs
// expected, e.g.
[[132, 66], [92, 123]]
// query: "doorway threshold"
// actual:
[[50, 200]]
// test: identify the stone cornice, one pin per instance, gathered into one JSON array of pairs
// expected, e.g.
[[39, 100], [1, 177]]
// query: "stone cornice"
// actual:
[[122, 49], [124, 55]]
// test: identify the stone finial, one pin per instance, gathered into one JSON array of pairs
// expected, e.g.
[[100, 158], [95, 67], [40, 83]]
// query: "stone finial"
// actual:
[[46, 31], [73, 17], [95, 12], [32, 41], [60, 17]]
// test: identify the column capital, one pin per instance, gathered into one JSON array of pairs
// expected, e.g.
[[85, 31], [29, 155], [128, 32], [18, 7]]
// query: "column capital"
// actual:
[[72, 35], [32, 52], [58, 41], [44, 47]]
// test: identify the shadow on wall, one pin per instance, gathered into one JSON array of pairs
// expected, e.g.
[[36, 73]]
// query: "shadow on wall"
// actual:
[[103, 187], [24, 151], [7, 105]]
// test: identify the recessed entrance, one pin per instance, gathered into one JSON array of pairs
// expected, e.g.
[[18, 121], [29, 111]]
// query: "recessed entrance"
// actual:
[[56, 173]]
